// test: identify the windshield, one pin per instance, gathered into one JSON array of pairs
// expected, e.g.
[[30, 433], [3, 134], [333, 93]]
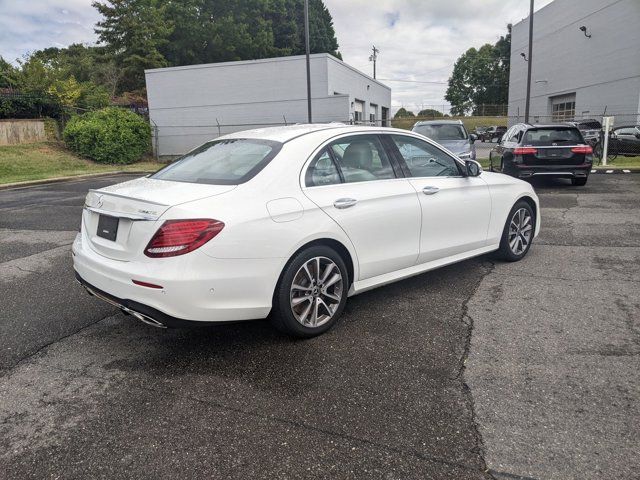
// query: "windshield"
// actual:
[[221, 162], [550, 136], [442, 132]]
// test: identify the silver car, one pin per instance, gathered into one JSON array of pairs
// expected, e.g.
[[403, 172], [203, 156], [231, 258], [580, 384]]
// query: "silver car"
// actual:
[[451, 134]]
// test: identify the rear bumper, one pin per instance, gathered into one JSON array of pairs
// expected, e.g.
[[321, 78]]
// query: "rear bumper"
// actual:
[[560, 171], [196, 289]]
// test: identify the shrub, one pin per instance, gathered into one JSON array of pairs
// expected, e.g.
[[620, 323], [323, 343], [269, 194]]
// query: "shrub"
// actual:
[[111, 135]]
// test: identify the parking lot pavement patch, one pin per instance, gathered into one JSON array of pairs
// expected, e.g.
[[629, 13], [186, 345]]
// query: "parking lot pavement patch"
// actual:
[[554, 360]]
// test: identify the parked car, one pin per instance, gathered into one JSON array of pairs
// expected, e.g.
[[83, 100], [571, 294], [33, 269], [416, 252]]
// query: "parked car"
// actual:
[[590, 129], [493, 133], [289, 222], [451, 134], [479, 131], [543, 150], [624, 140]]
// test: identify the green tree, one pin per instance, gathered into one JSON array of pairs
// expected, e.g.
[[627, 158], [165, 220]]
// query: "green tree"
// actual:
[[134, 31], [152, 33], [404, 113], [480, 77], [7, 74], [430, 112]]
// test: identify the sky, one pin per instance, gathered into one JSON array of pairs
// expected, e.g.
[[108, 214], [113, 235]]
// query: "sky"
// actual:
[[419, 40]]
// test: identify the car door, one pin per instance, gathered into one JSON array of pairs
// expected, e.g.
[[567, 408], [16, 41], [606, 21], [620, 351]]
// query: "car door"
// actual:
[[626, 140], [456, 209], [356, 183]]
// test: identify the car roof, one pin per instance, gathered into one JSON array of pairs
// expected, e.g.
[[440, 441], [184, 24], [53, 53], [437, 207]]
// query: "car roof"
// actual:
[[543, 125], [284, 134], [438, 122]]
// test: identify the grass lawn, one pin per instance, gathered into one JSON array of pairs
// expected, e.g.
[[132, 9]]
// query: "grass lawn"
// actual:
[[622, 162], [37, 161]]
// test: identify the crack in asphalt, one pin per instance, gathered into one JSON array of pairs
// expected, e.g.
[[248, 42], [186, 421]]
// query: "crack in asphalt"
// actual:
[[7, 370], [284, 421], [489, 266]]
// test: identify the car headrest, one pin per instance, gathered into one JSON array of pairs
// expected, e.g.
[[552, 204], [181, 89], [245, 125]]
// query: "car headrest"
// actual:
[[358, 155]]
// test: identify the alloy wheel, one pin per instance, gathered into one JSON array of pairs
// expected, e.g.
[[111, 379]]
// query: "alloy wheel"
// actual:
[[316, 292], [520, 230]]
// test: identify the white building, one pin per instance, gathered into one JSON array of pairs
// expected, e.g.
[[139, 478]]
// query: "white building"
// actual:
[[192, 104], [578, 73]]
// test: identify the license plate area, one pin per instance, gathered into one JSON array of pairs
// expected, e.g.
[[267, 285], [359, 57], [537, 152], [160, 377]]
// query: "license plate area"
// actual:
[[108, 227]]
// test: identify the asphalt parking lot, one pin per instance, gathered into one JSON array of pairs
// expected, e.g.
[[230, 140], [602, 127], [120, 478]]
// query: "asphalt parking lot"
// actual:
[[479, 370]]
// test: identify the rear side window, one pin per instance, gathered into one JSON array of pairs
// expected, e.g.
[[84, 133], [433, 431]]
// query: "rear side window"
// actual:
[[549, 136], [221, 162], [322, 171]]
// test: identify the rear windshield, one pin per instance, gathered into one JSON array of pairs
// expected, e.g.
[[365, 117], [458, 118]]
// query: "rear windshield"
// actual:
[[442, 132], [592, 125], [551, 136], [221, 162]]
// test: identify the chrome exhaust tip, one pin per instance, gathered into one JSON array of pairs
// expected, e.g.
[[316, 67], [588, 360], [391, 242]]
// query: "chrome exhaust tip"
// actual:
[[143, 318], [137, 315]]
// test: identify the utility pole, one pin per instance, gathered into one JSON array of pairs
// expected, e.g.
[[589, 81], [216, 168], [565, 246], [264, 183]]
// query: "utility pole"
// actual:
[[306, 42], [529, 63], [373, 58]]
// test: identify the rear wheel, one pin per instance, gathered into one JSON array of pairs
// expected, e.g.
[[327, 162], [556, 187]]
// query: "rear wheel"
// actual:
[[311, 294], [579, 182], [518, 233]]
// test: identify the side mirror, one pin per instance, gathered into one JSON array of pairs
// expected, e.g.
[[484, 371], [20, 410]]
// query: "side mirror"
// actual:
[[473, 168], [473, 137]]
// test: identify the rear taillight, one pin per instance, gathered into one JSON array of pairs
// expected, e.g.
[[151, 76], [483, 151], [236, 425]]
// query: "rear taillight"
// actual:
[[177, 237], [525, 151], [586, 149]]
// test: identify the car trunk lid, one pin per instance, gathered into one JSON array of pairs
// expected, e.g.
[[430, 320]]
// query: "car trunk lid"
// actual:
[[120, 220]]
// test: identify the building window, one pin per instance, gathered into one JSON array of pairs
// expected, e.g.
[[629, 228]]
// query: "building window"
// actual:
[[358, 113], [563, 108]]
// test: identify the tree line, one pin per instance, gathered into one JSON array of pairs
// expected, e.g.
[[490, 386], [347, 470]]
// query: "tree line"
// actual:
[[134, 35]]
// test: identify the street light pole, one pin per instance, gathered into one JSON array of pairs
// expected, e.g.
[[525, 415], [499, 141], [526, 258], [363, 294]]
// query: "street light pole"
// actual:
[[306, 41], [529, 63]]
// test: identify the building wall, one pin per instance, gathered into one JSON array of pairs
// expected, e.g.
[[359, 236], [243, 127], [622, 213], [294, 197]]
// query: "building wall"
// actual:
[[344, 79], [603, 71], [192, 104]]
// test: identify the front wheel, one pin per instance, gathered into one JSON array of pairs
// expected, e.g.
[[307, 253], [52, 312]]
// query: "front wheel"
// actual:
[[518, 233], [311, 293]]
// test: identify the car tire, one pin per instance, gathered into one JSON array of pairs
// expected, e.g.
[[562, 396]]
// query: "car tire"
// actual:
[[579, 182], [519, 233], [303, 286]]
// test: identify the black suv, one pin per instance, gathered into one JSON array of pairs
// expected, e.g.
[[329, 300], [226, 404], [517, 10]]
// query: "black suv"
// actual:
[[543, 150]]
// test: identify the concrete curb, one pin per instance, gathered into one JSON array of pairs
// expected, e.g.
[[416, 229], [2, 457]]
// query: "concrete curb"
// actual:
[[44, 181]]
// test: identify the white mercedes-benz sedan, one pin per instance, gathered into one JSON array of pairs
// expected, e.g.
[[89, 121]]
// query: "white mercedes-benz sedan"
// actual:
[[288, 222]]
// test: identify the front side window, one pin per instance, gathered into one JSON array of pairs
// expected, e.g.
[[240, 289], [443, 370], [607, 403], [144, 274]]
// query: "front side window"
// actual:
[[361, 158], [425, 160], [221, 162]]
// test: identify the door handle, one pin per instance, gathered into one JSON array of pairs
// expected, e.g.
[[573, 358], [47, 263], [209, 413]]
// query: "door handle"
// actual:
[[345, 203], [430, 190]]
